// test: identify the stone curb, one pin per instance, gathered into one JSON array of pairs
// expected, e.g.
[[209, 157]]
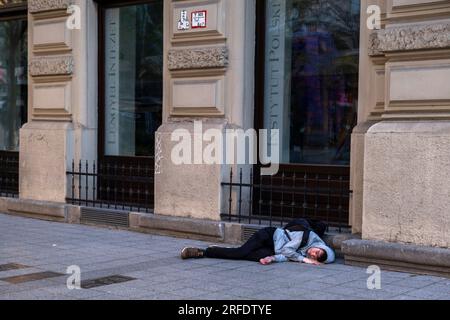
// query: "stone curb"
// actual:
[[34, 209], [398, 256]]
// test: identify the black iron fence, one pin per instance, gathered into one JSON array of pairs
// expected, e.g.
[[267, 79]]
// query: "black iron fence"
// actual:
[[114, 185], [9, 174], [315, 192]]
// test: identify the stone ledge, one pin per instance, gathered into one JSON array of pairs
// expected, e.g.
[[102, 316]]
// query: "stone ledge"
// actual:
[[398, 257], [35, 209], [335, 240], [3, 204], [179, 227]]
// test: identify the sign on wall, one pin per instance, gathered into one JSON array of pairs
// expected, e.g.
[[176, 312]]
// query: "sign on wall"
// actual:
[[199, 19], [183, 23]]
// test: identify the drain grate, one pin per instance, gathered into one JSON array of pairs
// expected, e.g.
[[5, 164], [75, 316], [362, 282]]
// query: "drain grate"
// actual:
[[248, 231], [12, 266], [105, 281], [32, 277], [105, 217]]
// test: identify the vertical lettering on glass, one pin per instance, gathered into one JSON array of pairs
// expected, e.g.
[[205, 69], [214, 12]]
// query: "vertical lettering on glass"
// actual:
[[112, 83], [276, 114]]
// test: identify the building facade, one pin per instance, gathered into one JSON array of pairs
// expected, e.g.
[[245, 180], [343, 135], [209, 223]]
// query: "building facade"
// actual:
[[92, 92]]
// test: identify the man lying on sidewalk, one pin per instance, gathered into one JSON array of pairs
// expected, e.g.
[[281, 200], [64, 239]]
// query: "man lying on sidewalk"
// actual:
[[272, 245]]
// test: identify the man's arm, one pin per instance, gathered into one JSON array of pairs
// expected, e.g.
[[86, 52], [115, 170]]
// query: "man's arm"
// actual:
[[285, 248], [312, 261], [280, 258], [290, 251], [279, 241]]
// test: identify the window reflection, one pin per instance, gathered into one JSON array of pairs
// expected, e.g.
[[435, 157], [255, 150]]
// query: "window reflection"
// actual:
[[133, 78], [13, 81], [311, 83]]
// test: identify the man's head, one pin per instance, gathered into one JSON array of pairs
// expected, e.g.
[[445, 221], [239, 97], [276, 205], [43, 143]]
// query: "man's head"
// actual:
[[317, 254]]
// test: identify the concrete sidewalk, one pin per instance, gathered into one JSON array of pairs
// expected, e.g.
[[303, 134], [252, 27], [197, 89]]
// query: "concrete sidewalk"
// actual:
[[151, 268]]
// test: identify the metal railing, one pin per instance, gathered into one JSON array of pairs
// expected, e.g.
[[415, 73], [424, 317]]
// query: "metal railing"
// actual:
[[117, 186], [9, 174], [305, 192], [311, 192]]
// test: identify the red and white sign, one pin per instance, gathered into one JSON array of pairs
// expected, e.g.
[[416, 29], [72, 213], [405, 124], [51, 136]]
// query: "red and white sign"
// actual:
[[198, 19]]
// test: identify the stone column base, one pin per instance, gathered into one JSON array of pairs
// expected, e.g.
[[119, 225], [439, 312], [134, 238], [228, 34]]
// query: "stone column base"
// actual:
[[186, 190], [45, 151], [406, 183]]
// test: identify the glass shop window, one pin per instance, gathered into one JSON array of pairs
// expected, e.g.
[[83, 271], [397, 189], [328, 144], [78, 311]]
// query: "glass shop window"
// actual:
[[311, 78], [133, 66], [13, 72]]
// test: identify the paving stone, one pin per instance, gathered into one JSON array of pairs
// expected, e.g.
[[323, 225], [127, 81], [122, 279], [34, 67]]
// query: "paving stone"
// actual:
[[385, 292], [167, 296], [107, 296], [243, 291], [343, 278], [124, 291], [437, 292], [329, 296], [217, 296], [282, 294], [414, 282], [36, 294], [407, 297], [187, 293], [161, 274]]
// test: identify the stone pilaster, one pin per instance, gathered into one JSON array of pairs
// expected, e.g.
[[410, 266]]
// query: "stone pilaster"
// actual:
[[61, 96], [404, 184], [202, 83]]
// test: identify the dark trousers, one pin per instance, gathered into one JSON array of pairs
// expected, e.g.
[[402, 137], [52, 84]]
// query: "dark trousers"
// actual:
[[259, 246]]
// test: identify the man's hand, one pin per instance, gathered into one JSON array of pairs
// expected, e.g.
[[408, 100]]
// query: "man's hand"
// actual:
[[267, 260], [311, 261]]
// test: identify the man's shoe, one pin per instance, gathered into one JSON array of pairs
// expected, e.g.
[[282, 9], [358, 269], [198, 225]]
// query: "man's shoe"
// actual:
[[188, 253]]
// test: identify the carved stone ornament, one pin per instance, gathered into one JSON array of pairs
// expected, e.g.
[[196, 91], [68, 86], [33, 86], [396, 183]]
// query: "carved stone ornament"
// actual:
[[35, 6], [51, 66], [201, 58], [158, 153], [434, 36]]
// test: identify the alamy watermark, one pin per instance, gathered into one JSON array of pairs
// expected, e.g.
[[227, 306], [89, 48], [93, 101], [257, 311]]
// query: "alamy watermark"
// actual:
[[74, 280], [374, 280], [73, 22], [234, 146], [374, 20]]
